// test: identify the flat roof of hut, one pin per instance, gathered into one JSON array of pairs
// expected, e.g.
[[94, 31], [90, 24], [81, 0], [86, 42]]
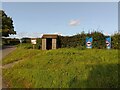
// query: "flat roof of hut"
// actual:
[[54, 36]]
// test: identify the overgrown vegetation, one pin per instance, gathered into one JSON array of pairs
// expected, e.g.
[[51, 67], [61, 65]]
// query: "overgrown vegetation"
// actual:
[[10, 41], [28, 45], [25, 46], [98, 40], [39, 43], [62, 68], [26, 40], [116, 41]]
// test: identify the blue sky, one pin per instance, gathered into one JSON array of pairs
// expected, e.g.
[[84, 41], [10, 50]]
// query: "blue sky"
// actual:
[[35, 18]]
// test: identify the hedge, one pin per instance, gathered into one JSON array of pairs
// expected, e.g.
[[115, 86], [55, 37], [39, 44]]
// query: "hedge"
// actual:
[[79, 40], [115, 41], [10, 41], [76, 41]]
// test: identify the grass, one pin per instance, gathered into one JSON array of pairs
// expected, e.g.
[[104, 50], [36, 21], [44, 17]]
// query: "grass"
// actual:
[[62, 68]]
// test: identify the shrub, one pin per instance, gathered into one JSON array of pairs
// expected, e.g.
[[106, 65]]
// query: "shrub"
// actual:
[[98, 40], [81, 47], [25, 46], [10, 41], [115, 41], [26, 40], [79, 40], [38, 44]]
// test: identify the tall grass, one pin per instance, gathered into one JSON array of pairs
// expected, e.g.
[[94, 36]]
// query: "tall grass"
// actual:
[[63, 68]]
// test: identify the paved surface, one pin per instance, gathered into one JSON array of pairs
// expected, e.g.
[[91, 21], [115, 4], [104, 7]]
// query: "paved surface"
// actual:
[[4, 52]]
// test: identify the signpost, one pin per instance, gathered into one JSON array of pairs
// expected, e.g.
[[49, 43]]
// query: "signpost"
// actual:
[[33, 41], [108, 42], [89, 42]]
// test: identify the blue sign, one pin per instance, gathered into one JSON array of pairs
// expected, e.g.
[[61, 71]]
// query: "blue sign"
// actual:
[[108, 42], [89, 42]]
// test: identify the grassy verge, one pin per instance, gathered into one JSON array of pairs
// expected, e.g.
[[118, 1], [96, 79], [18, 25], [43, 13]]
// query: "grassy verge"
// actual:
[[66, 68]]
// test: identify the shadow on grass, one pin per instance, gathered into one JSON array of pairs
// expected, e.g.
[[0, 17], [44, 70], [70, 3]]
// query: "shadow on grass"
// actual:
[[101, 76]]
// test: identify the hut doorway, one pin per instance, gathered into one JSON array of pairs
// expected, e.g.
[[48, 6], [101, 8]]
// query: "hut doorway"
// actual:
[[48, 43]]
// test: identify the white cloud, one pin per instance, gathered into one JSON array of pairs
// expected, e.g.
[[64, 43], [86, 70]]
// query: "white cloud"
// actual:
[[74, 22]]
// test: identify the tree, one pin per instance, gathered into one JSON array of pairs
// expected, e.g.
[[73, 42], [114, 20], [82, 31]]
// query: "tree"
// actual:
[[6, 24]]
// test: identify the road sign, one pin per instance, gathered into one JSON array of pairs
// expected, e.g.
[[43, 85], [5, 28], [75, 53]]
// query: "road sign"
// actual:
[[33, 41], [108, 42], [89, 42]]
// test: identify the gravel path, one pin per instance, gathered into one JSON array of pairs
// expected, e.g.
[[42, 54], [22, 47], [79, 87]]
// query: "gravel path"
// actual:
[[4, 52]]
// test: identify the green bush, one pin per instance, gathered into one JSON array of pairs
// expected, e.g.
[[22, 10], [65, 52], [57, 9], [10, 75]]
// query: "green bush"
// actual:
[[79, 40], [25, 46], [72, 41], [28, 45], [115, 41], [38, 44], [10, 41], [98, 40], [81, 47], [26, 40]]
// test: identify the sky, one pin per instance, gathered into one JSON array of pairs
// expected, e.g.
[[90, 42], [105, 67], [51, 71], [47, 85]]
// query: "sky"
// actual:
[[33, 19]]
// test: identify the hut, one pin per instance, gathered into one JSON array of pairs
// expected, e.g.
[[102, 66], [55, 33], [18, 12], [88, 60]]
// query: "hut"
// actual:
[[49, 41]]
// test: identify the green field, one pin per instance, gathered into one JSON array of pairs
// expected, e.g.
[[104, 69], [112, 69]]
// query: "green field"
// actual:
[[62, 68]]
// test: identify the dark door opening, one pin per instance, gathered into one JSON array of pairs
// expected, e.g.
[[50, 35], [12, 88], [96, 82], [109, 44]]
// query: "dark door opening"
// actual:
[[48, 43]]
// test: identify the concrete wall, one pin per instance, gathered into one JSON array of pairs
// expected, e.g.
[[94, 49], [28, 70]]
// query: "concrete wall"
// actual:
[[54, 44], [43, 44]]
